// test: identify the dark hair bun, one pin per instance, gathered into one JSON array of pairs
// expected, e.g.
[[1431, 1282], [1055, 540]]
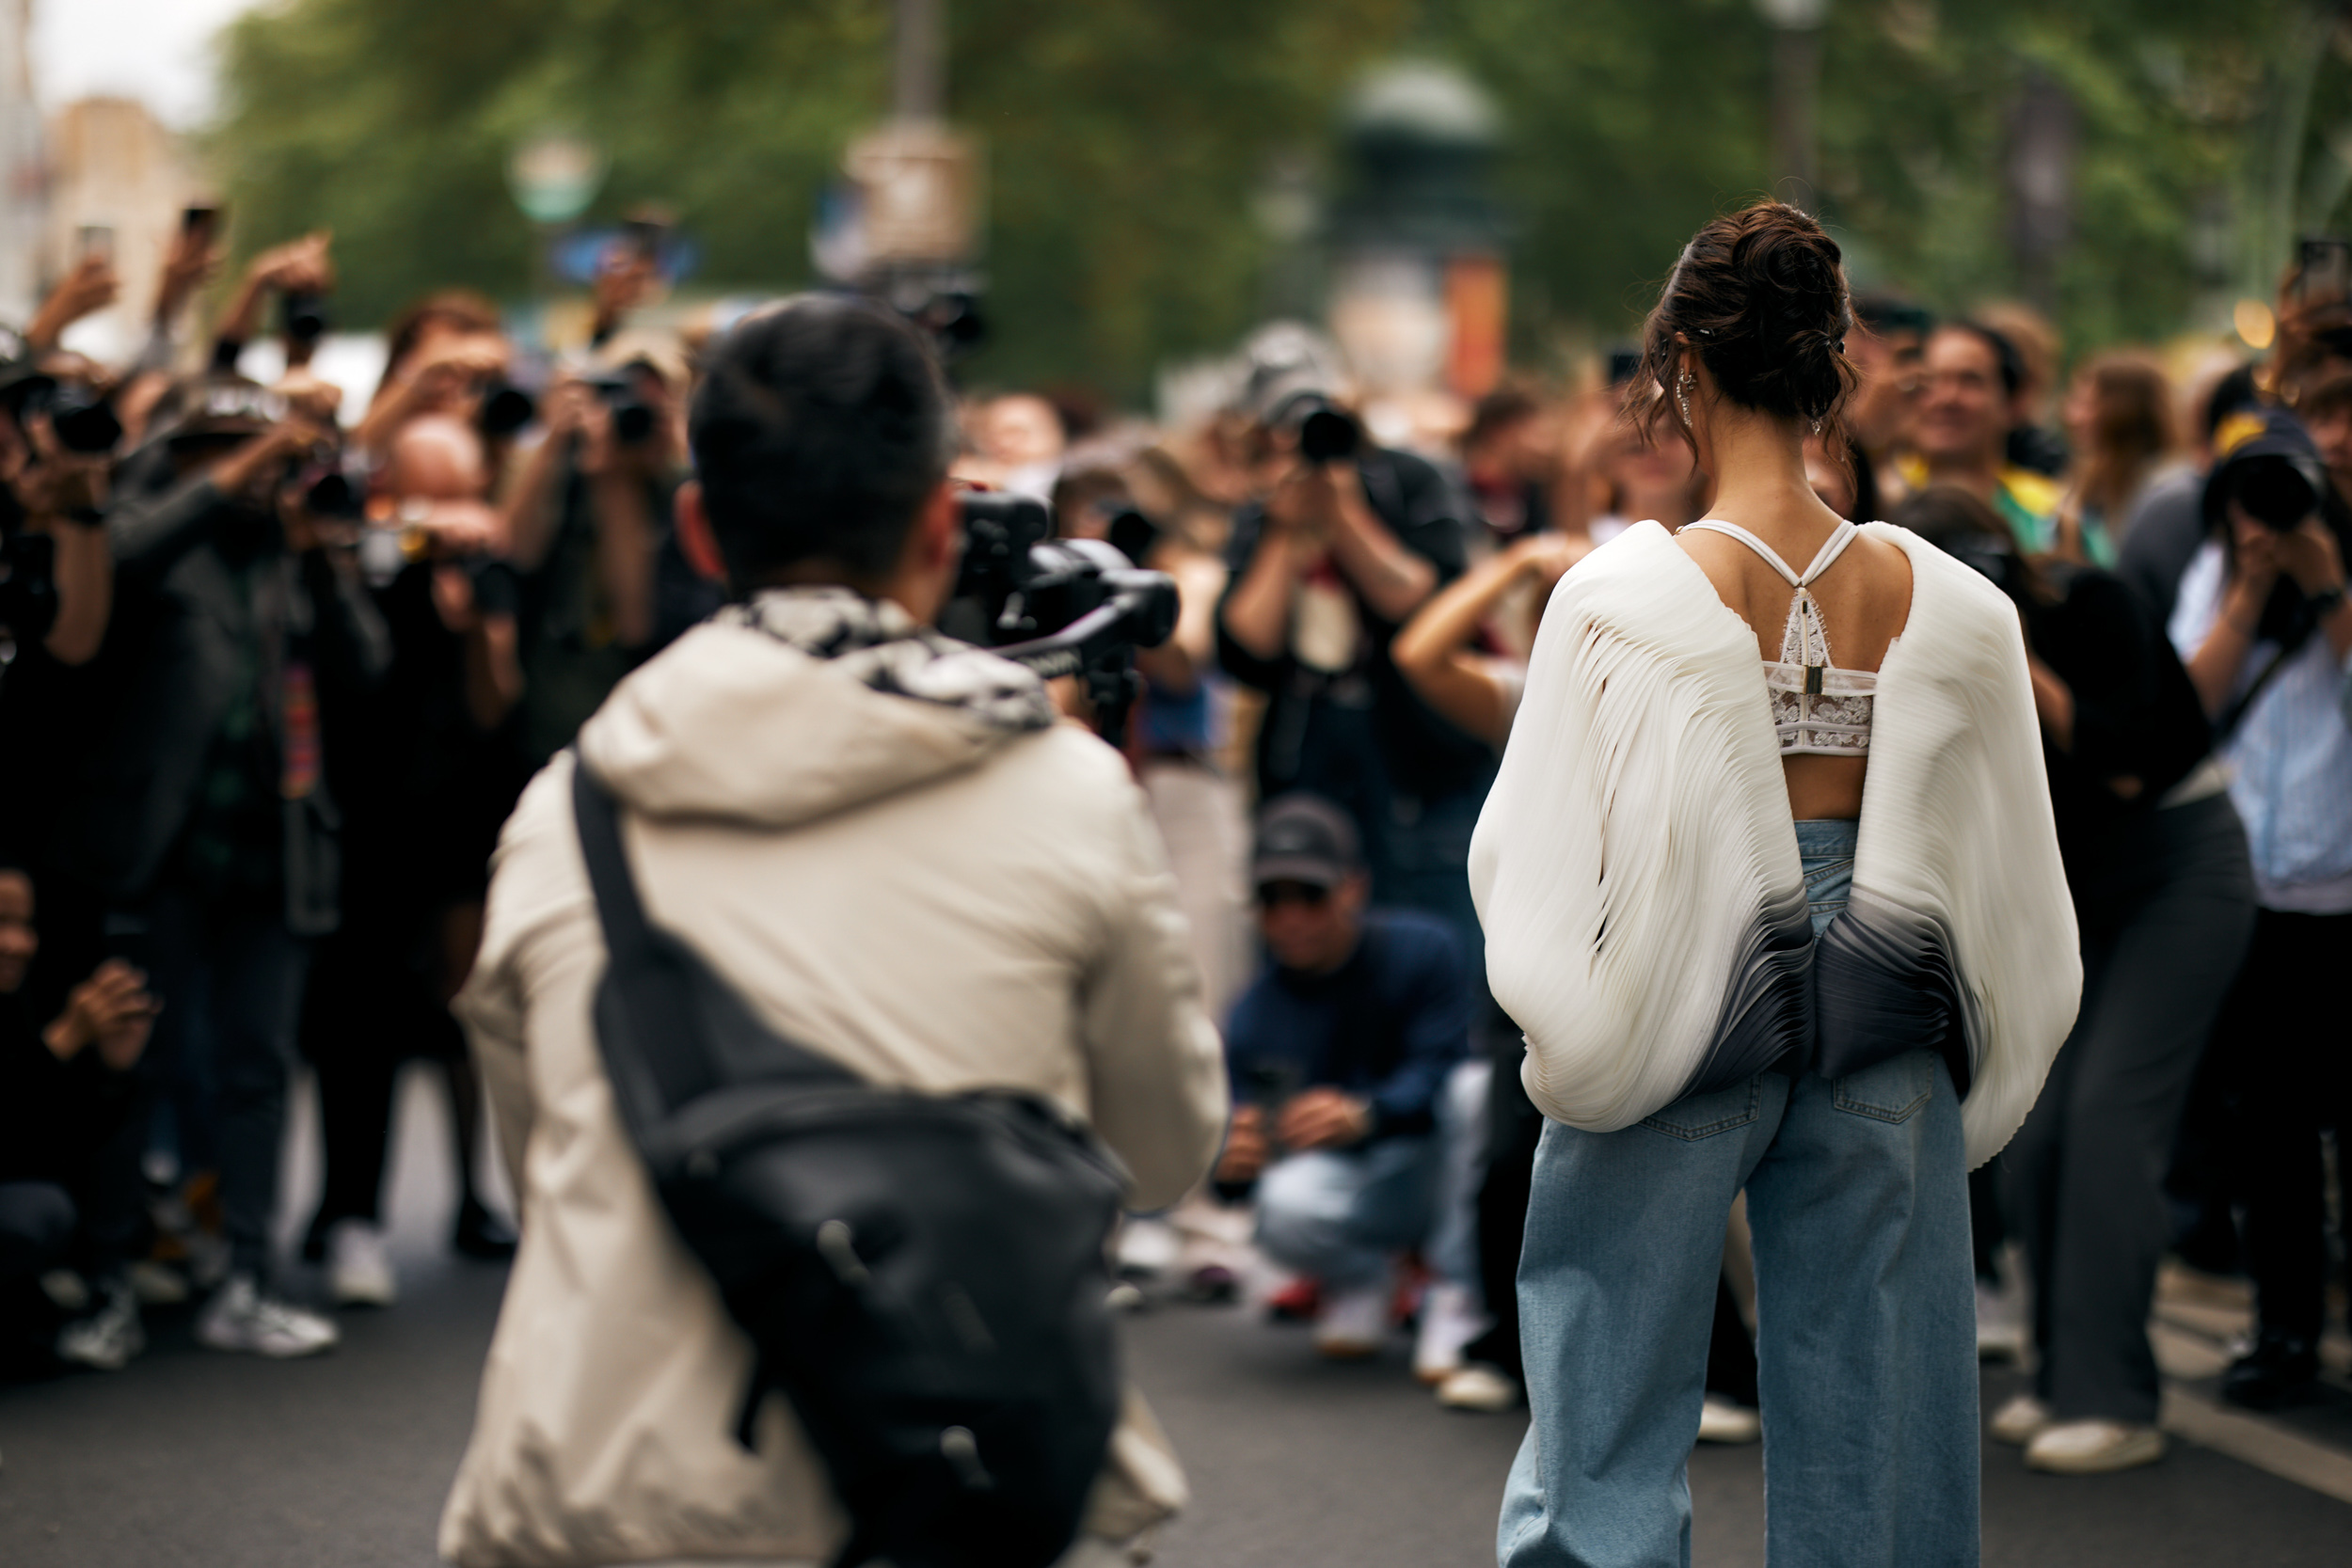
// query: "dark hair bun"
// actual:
[[1761, 294]]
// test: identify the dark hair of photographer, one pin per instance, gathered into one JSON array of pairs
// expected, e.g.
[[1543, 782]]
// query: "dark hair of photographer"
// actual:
[[820, 428], [459, 310], [1761, 294], [2120, 723]]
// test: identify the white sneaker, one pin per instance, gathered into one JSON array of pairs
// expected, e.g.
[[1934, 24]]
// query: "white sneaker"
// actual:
[[2093, 1447], [1478, 1386], [241, 1318], [1449, 1321], [107, 1340], [1354, 1322], [2000, 1324], [2020, 1421], [1722, 1422], [358, 1269]]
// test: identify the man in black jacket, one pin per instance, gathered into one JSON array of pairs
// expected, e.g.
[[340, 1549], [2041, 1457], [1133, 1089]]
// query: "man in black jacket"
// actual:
[[210, 823], [1325, 570]]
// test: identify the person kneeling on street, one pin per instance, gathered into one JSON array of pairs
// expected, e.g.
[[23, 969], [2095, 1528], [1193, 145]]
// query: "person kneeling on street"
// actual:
[[888, 848], [63, 1100], [1341, 1054]]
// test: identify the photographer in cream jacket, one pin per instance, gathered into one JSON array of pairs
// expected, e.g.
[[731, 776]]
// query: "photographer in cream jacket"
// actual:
[[886, 843]]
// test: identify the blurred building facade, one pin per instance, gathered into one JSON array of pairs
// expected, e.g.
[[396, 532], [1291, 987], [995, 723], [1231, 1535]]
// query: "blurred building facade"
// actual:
[[20, 173]]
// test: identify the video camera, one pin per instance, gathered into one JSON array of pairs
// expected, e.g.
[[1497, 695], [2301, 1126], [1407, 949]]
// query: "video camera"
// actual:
[[1059, 607]]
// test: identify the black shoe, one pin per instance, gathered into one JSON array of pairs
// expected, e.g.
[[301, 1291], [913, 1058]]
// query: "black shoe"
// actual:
[[2281, 1369], [482, 1235]]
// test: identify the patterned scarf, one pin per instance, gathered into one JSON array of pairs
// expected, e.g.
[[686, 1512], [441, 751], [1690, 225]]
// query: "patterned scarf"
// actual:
[[879, 645]]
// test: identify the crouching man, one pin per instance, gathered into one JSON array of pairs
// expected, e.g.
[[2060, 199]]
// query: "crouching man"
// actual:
[[880, 838]]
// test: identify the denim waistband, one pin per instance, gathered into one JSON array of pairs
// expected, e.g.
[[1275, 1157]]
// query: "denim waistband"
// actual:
[[1825, 850]]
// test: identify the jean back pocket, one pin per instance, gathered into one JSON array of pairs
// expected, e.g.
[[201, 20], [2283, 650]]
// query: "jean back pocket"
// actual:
[[1891, 1091]]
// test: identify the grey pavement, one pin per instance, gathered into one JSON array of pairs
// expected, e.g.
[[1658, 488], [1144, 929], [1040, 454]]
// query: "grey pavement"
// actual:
[[197, 1459]]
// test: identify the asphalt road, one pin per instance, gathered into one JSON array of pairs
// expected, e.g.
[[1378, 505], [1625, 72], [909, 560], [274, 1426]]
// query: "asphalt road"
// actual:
[[198, 1458]]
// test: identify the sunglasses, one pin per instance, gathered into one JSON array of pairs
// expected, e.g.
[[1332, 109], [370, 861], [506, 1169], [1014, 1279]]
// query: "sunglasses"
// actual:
[[1275, 895]]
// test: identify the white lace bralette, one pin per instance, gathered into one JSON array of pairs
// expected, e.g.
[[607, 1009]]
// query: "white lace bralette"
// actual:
[[1819, 709]]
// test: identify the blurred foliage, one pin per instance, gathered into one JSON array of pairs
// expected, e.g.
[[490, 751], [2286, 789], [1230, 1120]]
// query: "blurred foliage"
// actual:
[[1128, 143]]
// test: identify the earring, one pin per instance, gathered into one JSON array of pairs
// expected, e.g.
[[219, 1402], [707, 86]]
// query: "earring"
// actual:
[[1682, 395], [1817, 427]]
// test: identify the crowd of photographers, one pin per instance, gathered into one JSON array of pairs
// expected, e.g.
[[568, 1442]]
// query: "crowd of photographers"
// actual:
[[278, 670]]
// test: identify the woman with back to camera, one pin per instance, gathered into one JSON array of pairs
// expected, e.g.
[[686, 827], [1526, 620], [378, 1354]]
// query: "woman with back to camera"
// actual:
[[1737, 966]]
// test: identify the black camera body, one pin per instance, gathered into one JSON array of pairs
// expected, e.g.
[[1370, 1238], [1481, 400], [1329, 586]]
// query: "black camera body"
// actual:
[[1059, 607], [1327, 433], [504, 409], [632, 416], [303, 317], [2274, 491], [83, 418]]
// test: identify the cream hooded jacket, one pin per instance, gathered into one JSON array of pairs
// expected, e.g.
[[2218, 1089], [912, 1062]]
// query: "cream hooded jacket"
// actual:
[[940, 902]]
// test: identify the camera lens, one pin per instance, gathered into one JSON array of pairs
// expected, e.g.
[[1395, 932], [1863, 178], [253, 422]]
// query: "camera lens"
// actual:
[[2273, 492], [505, 409], [1327, 435]]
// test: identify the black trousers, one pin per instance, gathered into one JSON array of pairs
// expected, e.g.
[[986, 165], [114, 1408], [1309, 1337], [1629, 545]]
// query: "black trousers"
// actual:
[[370, 1007], [2287, 1040], [2166, 904]]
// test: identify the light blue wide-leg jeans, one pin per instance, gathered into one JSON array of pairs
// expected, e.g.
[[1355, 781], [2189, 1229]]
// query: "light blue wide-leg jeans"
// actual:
[[1866, 1351]]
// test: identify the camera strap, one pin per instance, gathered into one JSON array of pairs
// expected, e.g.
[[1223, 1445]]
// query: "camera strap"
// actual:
[[2227, 725]]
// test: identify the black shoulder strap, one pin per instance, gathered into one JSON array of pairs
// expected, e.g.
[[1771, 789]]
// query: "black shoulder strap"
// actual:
[[652, 990], [669, 1027]]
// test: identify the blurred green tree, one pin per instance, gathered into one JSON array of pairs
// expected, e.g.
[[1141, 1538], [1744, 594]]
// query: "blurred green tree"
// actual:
[[1127, 143]]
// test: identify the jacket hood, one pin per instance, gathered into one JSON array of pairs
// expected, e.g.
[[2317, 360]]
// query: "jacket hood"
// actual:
[[802, 704]]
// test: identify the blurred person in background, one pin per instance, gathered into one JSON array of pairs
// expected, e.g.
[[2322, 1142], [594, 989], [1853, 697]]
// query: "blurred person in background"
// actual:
[[1644, 480], [426, 768], [440, 355], [1021, 439], [2032, 445], [62, 1100], [300, 267], [1342, 1056], [2156, 859], [2262, 624], [1448, 652], [1325, 566], [1511, 462], [56, 601], [209, 822], [2167, 528], [1973, 378], [1888, 351], [2118, 419], [588, 531], [1176, 731]]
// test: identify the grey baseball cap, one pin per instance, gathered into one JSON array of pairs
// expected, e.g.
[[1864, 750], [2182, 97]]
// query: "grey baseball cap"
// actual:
[[1305, 838]]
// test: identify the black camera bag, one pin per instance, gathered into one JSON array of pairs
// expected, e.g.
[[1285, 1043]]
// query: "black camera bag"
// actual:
[[922, 1275]]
